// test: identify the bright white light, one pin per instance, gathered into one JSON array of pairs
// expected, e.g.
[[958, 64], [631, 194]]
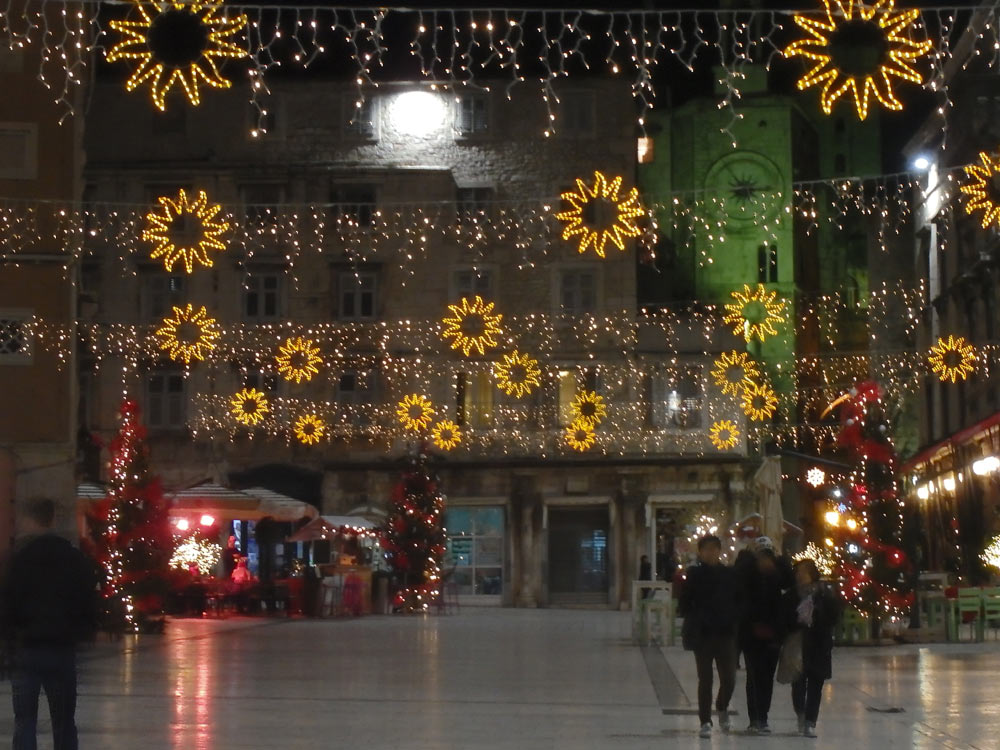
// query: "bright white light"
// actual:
[[832, 517], [921, 163], [853, 549], [418, 113], [922, 492], [985, 466], [207, 520], [949, 484], [182, 524]]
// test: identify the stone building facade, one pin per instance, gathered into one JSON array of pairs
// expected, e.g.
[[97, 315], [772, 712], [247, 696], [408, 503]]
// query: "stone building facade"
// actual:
[[358, 222]]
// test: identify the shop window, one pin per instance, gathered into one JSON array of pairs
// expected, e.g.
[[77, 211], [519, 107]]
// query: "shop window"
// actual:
[[475, 549]]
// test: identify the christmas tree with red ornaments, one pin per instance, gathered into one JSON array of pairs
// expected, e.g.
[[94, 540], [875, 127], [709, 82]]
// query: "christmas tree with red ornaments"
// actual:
[[414, 537], [131, 532], [873, 568]]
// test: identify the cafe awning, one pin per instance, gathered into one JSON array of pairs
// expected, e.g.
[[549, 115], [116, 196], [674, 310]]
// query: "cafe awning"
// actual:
[[328, 527], [227, 504]]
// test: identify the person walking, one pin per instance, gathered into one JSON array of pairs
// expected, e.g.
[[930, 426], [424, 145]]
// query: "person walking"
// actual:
[[812, 609], [710, 605], [48, 604], [763, 578]]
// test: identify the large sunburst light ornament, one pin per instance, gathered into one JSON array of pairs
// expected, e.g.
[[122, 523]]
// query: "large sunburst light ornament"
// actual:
[[298, 359], [982, 189], [472, 326], [185, 230], [177, 44], [517, 374], [415, 412], [309, 429], [249, 406], [600, 214], [187, 334], [759, 401], [724, 434], [588, 406], [952, 358], [732, 370], [580, 435], [754, 312], [859, 48], [446, 435]]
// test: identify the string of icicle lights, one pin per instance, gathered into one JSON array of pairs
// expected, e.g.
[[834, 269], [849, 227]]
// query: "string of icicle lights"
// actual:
[[406, 233], [470, 47]]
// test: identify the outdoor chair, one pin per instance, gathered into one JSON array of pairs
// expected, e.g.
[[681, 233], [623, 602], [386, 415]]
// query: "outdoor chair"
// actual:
[[991, 610], [330, 599], [853, 627], [447, 598]]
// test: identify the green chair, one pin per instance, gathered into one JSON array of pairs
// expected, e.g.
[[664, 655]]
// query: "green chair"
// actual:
[[934, 613], [970, 602], [853, 627], [991, 610]]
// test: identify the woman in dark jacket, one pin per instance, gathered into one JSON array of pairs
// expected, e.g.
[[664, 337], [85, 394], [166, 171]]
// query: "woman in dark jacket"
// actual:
[[812, 609]]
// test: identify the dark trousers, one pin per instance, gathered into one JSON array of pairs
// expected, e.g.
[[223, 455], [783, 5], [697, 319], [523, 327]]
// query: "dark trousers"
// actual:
[[720, 649], [807, 693], [49, 668], [761, 663]]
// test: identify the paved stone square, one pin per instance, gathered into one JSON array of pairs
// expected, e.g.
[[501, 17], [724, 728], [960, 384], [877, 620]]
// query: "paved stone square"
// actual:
[[490, 678]]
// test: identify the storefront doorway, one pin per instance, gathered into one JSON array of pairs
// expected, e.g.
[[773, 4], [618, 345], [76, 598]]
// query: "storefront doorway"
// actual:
[[578, 550]]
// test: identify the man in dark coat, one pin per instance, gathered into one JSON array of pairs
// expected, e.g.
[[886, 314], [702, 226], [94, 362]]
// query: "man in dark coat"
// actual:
[[813, 610], [48, 604], [763, 577], [710, 605]]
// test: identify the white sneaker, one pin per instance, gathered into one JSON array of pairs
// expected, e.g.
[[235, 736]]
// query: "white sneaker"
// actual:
[[802, 723], [763, 729], [753, 728], [809, 731], [706, 731], [724, 724]]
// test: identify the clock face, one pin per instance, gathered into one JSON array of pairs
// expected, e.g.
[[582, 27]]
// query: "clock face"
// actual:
[[742, 188]]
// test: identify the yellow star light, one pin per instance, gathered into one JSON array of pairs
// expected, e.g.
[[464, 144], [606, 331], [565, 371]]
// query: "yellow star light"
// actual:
[[754, 312], [309, 429], [446, 435], [981, 189], [759, 401], [415, 412], [599, 214], [952, 359], [185, 230], [815, 476], [732, 370], [298, 359], [473, 326], [177, 43], [249, 406], [189, 334], [580, 435], [724, 434], [588, 407], [859, 48], [517, 374]]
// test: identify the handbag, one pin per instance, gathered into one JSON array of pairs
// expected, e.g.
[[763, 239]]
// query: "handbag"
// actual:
[[790, 660]]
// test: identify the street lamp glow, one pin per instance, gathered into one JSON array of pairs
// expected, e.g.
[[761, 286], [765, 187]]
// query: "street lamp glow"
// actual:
[[418, 113], [832, 517], [921, 163], [923, 492]]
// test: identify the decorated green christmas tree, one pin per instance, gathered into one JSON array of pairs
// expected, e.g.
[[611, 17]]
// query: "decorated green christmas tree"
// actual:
[[872, 565], [131, 532], [414, 539]]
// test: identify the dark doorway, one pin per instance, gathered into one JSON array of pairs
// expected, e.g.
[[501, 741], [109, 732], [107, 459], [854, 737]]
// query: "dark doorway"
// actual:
[[578, 550]]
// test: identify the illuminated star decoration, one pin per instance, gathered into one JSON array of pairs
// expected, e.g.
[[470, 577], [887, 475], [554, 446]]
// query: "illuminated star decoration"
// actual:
[[473, 326], [732, 370], [189, 334], [815, 476], [446, 435], [952, 358], [517, 374], [613, 216], [759, 401], [415, 412], [580, 435], [981, 191], [185, 230], [298, 359], [755, 312], [588, 407], [889, 52], [176, 44], [724, 434], [309, 429], [249, 406]]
